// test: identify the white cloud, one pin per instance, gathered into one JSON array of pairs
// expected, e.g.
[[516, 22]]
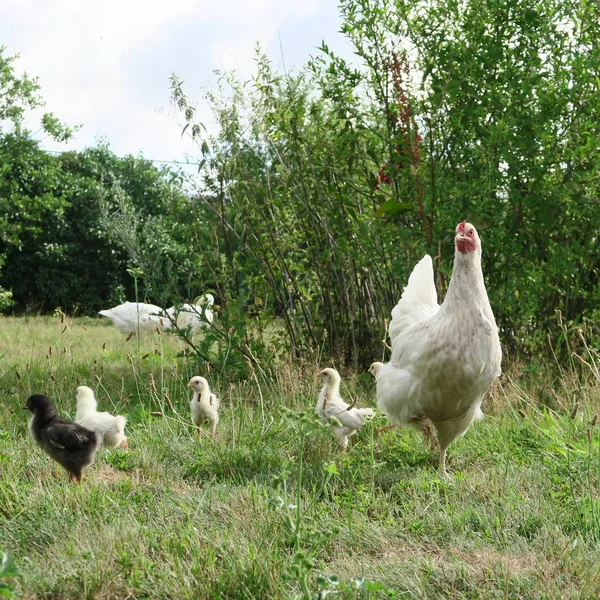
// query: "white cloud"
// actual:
[[106, 64]]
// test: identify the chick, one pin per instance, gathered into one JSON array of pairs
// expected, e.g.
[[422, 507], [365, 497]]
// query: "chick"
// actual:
[[204, 405], [330, 406], [110, 429], [71, 445], [375, 368]]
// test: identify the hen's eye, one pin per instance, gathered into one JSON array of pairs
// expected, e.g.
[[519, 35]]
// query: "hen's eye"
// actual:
[[471, 232]]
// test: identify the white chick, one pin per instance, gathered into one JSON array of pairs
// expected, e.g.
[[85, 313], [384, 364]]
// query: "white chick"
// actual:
[[111, 429], [375, 368], [204, 405], [330, 405]]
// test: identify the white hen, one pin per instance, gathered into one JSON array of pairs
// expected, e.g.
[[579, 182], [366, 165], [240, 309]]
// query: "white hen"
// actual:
[[133, 318], [330, 406], [204, 405], [193, 316], [444, 359], [111, 429]]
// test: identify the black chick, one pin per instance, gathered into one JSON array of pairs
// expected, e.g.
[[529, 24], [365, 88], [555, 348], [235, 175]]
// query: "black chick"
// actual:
[[69, 444]]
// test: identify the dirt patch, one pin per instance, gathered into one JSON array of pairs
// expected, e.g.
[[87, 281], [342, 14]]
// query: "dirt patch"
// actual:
[[108, 474], [515, 564], [485, 560]]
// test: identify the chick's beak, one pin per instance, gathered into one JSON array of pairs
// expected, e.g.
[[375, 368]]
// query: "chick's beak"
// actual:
[[25, 407], [190, 384]]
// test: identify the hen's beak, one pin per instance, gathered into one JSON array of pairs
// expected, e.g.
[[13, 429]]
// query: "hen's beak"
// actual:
[[25, 407]]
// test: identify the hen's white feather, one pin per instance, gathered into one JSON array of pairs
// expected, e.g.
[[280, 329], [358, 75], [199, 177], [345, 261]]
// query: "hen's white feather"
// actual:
[[111, 429], [193, 316], [418, 301]]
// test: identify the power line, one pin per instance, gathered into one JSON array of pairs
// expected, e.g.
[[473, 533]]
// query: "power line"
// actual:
[[152, 160]]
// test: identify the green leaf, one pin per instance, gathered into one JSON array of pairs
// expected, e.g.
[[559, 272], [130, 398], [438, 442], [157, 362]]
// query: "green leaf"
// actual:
[[331, 468], [393, 207]]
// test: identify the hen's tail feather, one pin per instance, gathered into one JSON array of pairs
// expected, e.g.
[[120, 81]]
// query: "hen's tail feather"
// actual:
[[418, 301]]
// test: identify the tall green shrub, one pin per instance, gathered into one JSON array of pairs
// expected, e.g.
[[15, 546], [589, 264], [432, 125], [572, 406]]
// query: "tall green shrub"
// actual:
[[326, 186]]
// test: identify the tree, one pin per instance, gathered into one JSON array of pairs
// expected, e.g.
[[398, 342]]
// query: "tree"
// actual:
[[70, 254], [25, 201], [324, 188]]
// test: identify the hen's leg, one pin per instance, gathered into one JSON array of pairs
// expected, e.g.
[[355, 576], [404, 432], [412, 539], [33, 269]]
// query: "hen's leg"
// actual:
[[443, 461], [429, 433]]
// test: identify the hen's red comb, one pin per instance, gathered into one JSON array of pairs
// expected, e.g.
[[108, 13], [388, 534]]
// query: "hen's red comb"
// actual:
[[461, 227]]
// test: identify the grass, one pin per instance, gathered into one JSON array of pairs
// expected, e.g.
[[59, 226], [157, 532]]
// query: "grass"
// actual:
[[272, 510]]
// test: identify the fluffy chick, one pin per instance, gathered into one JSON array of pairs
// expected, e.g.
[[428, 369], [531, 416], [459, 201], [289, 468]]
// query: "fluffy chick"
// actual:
[[110, 429], [69, 444], [204, 405], [375, 368], [331, 406]]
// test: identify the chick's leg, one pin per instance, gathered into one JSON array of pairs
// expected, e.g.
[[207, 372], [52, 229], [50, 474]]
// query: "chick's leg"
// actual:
[[342, 440], [75, 476]]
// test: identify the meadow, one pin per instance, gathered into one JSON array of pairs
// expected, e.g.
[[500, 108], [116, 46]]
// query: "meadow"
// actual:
[[271, 509]]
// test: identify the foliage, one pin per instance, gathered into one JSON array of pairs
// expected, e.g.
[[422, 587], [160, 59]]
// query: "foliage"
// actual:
[[55, 247], [271, 509], [324, 188], [293, 213], [506, 100], [59, 250], [17, 93]]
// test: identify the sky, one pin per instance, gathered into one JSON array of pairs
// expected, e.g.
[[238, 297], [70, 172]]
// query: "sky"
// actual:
[[106, 65]]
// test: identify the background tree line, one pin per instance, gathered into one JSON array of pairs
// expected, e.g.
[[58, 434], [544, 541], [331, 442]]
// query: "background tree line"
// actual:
[[322, 188]]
